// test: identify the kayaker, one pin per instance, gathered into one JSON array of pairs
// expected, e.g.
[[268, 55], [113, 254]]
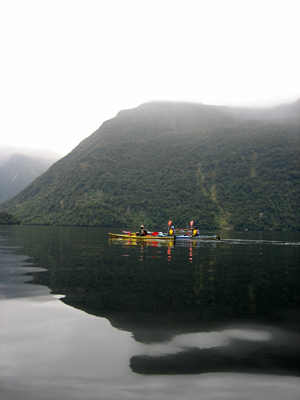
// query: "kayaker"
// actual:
[[142, 232], [171, 231], [195, 231]]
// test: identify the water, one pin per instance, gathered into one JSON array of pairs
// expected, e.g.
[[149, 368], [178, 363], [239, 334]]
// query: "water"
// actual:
[[84, 317]]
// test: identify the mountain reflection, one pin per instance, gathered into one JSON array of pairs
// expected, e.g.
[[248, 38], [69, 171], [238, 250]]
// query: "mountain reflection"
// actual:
[[161, 292], [196, 361], [244, 349], [166, 294]]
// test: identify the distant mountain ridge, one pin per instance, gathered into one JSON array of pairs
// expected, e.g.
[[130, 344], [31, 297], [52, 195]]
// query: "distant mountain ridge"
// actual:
[[220, 166], [283, 111], [18, 170]]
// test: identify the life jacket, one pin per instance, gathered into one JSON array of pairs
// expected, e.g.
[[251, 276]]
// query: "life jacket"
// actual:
[[144, 232], [195, 232], [171, 232]]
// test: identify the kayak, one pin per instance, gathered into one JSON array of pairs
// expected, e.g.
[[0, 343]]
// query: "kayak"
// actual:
[[146, 237], [201, 237]]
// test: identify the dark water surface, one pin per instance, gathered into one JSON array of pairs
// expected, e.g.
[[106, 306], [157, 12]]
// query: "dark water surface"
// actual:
[[84, 317]]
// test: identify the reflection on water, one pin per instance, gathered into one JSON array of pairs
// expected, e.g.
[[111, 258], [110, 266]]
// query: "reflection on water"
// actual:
[[142, 245], [233, 349], [189, 307]]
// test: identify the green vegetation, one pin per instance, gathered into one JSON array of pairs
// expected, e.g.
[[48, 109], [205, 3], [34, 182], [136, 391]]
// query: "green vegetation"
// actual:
[[175, 161], [8, 219]]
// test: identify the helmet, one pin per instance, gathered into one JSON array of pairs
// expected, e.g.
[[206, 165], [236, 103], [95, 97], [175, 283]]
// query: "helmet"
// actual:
[[142, 227], [172, 227]]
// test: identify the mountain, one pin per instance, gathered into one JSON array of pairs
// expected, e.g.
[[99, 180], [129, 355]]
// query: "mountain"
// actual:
[[221, 167], [282, 111], [18, 170], [40, 154]]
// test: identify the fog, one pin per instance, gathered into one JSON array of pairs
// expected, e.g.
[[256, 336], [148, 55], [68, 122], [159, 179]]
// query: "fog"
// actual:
[[71, 65]]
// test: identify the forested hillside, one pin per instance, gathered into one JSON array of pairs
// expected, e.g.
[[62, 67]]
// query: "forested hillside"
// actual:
[[221, 167]]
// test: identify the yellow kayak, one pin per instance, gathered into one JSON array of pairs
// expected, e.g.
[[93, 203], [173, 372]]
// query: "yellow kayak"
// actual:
[[146, 237]]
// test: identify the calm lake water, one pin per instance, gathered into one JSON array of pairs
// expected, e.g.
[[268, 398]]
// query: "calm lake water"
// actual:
[[84, 317]]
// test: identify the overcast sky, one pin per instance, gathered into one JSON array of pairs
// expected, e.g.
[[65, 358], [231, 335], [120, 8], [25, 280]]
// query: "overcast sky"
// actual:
[[69, 65]]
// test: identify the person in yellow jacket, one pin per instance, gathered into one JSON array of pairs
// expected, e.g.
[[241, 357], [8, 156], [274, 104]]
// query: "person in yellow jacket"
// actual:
[[171, 231], [195, 231]]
